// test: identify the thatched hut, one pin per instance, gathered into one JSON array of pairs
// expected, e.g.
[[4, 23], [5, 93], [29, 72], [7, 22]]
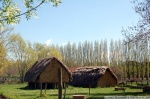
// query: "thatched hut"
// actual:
[[93, 76], [45, 71]]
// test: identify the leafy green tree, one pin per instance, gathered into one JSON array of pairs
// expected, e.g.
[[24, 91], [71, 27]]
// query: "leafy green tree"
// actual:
[[41, 51], [11, 68], [17, 50], [10, 11], [30, 56], [54, 52], [3, 61], [3, 48]]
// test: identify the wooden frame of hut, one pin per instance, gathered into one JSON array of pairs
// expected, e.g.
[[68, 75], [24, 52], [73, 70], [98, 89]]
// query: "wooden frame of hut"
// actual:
[[94, 76], [45, 72]]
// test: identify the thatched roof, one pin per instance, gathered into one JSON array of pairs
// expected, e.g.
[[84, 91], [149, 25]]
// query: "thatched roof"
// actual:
[[39, 66], [89, 75]]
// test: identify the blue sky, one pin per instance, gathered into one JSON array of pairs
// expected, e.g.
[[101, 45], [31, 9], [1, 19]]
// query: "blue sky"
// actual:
[[78, 20]]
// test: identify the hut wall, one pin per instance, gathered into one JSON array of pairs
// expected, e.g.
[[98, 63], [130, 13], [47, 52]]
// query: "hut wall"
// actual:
[[107, 80], [50, 74]]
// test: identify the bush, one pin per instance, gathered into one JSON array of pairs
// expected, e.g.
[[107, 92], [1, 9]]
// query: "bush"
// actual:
[[118, 72]]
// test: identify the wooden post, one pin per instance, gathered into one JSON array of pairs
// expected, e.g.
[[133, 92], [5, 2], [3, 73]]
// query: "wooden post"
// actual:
[[41, 88], [64, 91], [60, 83], [89, 89], [45, 87]]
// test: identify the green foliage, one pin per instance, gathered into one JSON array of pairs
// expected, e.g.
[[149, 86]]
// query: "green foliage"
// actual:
[[18, 52], [44, 51], [2, 54], [10, 12], [19, 55], [53, 52], [3, 50]]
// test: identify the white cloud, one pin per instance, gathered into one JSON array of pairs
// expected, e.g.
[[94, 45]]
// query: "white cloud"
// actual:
[[62, 44], [48, 41]]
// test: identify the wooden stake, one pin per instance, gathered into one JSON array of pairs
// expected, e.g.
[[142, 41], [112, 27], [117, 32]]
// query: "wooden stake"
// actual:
[[64, 91], [41, 88], [60, 83], [89, 89], [45, 87]]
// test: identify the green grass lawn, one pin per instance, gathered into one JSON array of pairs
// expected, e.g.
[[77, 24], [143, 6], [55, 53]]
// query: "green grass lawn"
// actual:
[[18, 91]]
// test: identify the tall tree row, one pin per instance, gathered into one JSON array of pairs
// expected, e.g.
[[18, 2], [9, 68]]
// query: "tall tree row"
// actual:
[[85, 54], [131, 61]]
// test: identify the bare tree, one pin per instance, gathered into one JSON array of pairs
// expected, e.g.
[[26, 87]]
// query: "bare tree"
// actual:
[[141, 31]]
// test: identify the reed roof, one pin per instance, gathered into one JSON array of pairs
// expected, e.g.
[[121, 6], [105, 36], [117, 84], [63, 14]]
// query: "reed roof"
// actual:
[[39, 66], [89, 75]]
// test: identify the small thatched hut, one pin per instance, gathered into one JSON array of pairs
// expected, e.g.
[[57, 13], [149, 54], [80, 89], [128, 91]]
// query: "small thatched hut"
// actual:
[[45, 71], [93, 76]]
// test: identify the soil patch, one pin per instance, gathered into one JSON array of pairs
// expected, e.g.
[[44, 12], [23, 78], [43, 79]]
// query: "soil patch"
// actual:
[[3, 97]]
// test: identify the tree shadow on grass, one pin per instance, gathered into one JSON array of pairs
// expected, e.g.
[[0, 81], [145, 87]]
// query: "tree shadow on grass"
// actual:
[[119, 94], [102, 95], [27, 95], [27, 88]]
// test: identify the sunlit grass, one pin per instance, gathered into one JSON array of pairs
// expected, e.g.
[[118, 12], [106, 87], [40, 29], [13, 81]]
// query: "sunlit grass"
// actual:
[[18, 91]]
